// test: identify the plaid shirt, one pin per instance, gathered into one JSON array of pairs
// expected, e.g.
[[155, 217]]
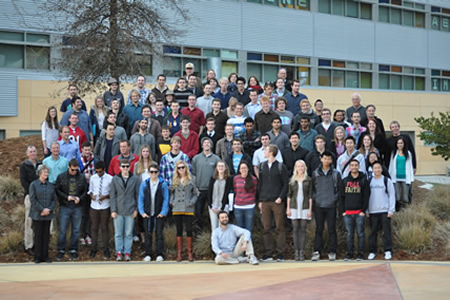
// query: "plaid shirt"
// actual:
[[167, 166], [355, 132], [250, 146]]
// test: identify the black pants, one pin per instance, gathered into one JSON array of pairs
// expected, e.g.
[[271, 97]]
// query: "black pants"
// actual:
[[187, 220], [375, 221], [41, 239], [100, 219], [328, 214], [154, 224], [200, 208], [85, 228]]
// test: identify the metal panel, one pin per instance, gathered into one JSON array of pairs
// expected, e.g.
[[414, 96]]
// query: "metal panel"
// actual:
[[8, 96], [438, 50]]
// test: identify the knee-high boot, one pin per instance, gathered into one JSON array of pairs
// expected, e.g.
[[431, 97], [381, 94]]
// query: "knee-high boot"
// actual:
[[189, 248], [179, 248]]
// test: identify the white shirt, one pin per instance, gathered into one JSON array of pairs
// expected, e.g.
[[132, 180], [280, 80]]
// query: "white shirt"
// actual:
[[258, 157], [94, 188]]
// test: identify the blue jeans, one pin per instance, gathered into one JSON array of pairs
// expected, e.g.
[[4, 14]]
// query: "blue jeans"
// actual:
[[350, 221], [244, 217], [123, 224], [66, 215]]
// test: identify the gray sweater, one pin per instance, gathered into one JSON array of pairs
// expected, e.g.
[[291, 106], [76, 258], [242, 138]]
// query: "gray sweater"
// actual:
[[203, 169], [138, 140], [325, 187], [123, 196], [183, 198]]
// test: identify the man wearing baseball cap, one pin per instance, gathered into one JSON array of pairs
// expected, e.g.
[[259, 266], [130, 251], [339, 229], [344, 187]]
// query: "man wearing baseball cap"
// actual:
[[113, 93]]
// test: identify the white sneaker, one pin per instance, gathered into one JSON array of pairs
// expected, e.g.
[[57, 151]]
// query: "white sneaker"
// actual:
[[147, 258], [315, 256], [331, 256], [135, 239], [253, 260], [159, 258], [371, 256], [387, 255], [242, 259], [82, 241]]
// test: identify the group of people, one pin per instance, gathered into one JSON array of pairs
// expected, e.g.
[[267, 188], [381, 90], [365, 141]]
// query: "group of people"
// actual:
[[160, 154]]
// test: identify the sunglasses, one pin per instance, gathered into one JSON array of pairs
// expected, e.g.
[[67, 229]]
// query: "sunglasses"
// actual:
[[181, 167], [153, 172], [125, 166], [73, 170]]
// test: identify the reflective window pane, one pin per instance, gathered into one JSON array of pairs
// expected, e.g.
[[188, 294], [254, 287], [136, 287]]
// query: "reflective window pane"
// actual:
[[338, 7], [11, 36], [408, 83], [351, 79], [352, 9], [270, 73], [211, 52], [325, 6], [38, 38], [419, 20], [396, 82], [396, 16], [366, 80], [11, 56], [338, 78], [39, 58], [324, 78], [366, 11], [172, 66], [229, 67], [383, 81], [408, 18], [229, 54], [383, 14], [254, 70]]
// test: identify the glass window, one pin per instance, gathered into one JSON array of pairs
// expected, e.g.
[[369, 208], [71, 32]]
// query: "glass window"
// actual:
[[303, 75], [383, 81], [408, 18], [290, 71], [254, 70], [338, 78], [419, 6], [383, 14], [192, 51], [444, 24], [435, 84], [352, 65], [352, 9], [366, 11], [303, 4], [351, 79], [365, 66], [435, 9], [445, 85], [287, 60], [271, 2], [270, 72], [211, 52], [303, 60], [408, 83], [254, 56], [420, 84], [396, 16], [338, 7], [384, 68], [408, 70], [435, 73], [39, 58], [38, 38], [287, 3], [255, 1], [11, 56], [325, 62], [338, 64], [172, 66], [408, 4], [324, 78], [397, 69], [271, 57], [11, 36], [366, 80], [171, 50], [420, 71], [446, 73], [396, 2], [229, 54], [435, 22], [396, 82], [229, 67], [325, 6], [419, 20]]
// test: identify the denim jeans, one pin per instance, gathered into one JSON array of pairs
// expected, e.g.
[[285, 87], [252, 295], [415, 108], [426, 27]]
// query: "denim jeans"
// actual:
[[350, 221], [328, 214], [154, 224], [123, 233], [66, 215], [244, 217]]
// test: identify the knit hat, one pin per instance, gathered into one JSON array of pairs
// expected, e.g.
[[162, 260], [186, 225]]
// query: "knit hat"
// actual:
[[206, 138]]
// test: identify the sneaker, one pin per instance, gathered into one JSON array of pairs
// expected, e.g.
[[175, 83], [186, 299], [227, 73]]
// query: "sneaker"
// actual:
[[88, 240], [73, 256], [387, 255], [159, 258], [127, 257], [371, 256], [82, 241], [266, 258], [348, 257], [242, 259], [135, 239], [280, 258], [253, 260], [60, 256], [331, 256], [107, 254], [359, 257], [315, 256], [147, 258], [92, 253], [119, 256]]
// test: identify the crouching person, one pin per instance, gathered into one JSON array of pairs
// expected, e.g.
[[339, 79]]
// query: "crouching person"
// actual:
[[153, 207], [124, 193], [232, 244]]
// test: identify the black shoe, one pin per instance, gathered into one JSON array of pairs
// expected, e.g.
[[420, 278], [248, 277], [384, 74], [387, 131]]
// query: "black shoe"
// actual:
[[60, 256], [29, 252], [266, 258], [359, 257], [48, 260], [348, 257], [107, 254], [280, 258], [92, 253], [73, 256], [37, 261]]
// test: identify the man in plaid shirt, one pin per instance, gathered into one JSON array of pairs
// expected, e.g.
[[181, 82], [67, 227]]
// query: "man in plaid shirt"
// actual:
[[251, 138], [168, 161]]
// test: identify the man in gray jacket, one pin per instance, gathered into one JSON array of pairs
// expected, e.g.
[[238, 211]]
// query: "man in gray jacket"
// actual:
[[141, 138], [203, 166], [108, 146], [123, 195], [325, 199]]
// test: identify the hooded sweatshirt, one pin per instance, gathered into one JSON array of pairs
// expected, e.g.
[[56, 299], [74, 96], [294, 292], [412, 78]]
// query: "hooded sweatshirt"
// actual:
[[354, 194]]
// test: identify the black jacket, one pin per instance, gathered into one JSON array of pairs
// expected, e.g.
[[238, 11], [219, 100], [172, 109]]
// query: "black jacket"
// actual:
[[62, 188], [354, 193], [325, 187], [228, 187], [229, 162], [28, 175], [272, 183], [291, 156], [313, 161]]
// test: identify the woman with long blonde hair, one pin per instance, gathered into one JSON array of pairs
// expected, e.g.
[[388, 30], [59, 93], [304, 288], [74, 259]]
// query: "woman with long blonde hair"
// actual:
[[338, 143], [145, 160], [182, 199], [97, 116], [299, 206]]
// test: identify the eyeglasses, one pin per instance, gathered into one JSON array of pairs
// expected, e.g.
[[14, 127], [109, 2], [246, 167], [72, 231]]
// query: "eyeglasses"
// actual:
[[73, 170], [153, 172], [125, 166], [181, 167]]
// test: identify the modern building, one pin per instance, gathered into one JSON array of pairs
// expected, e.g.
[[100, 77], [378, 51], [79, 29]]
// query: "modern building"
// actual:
[[395, 53]]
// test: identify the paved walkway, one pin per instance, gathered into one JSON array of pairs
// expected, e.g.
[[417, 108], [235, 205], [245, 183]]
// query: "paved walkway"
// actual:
[[204, 280], [433, 179]]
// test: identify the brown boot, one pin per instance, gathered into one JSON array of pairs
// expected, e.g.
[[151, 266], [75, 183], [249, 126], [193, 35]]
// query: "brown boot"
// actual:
[[179, 248], [189, 249]]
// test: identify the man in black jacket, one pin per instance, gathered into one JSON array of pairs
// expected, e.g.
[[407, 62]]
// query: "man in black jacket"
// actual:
[[354, 200], [70, 188], [294, 152], [272, 189]]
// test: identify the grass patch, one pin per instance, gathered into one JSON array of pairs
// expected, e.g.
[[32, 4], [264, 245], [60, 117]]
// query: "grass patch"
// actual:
[[441, 234], [10, 189], [439, 202], [11, 242]]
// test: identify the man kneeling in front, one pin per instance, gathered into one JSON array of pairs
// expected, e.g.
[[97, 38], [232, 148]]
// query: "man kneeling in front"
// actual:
[[231, 243]]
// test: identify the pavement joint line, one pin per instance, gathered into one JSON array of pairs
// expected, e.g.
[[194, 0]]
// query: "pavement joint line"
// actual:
[[395, 280]]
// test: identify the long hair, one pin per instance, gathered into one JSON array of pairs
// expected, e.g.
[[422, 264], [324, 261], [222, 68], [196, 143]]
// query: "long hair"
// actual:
[[249, 184], [336, 129], [298, 177], [405, 147], [140, 164], [97, 109], [176, 177], [361, 147], [48, 118], [226, 173], [377, 129]]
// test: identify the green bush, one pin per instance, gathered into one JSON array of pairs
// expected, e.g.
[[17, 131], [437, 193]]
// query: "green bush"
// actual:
[[439, 202], [10, 189]]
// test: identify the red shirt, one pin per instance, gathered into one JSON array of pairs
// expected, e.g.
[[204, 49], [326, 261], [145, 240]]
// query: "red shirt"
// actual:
[[77, 135], [197, 118], [189, 146], [114, 165]]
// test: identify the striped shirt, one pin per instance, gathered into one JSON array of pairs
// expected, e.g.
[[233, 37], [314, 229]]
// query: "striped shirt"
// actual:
[[241, 196]]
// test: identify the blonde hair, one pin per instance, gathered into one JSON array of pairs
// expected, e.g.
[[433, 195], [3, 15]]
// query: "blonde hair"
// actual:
[[97, 109], [134, 91], [176, 177], [140, 164], [297, 177], [334, 135]]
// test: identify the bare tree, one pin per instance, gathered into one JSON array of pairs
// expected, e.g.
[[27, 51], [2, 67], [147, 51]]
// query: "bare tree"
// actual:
[[103, 38]]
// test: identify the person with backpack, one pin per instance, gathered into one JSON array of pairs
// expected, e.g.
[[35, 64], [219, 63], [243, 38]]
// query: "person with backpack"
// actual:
[[380, 211], [325, 181], [272, 190], [354, 197]]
